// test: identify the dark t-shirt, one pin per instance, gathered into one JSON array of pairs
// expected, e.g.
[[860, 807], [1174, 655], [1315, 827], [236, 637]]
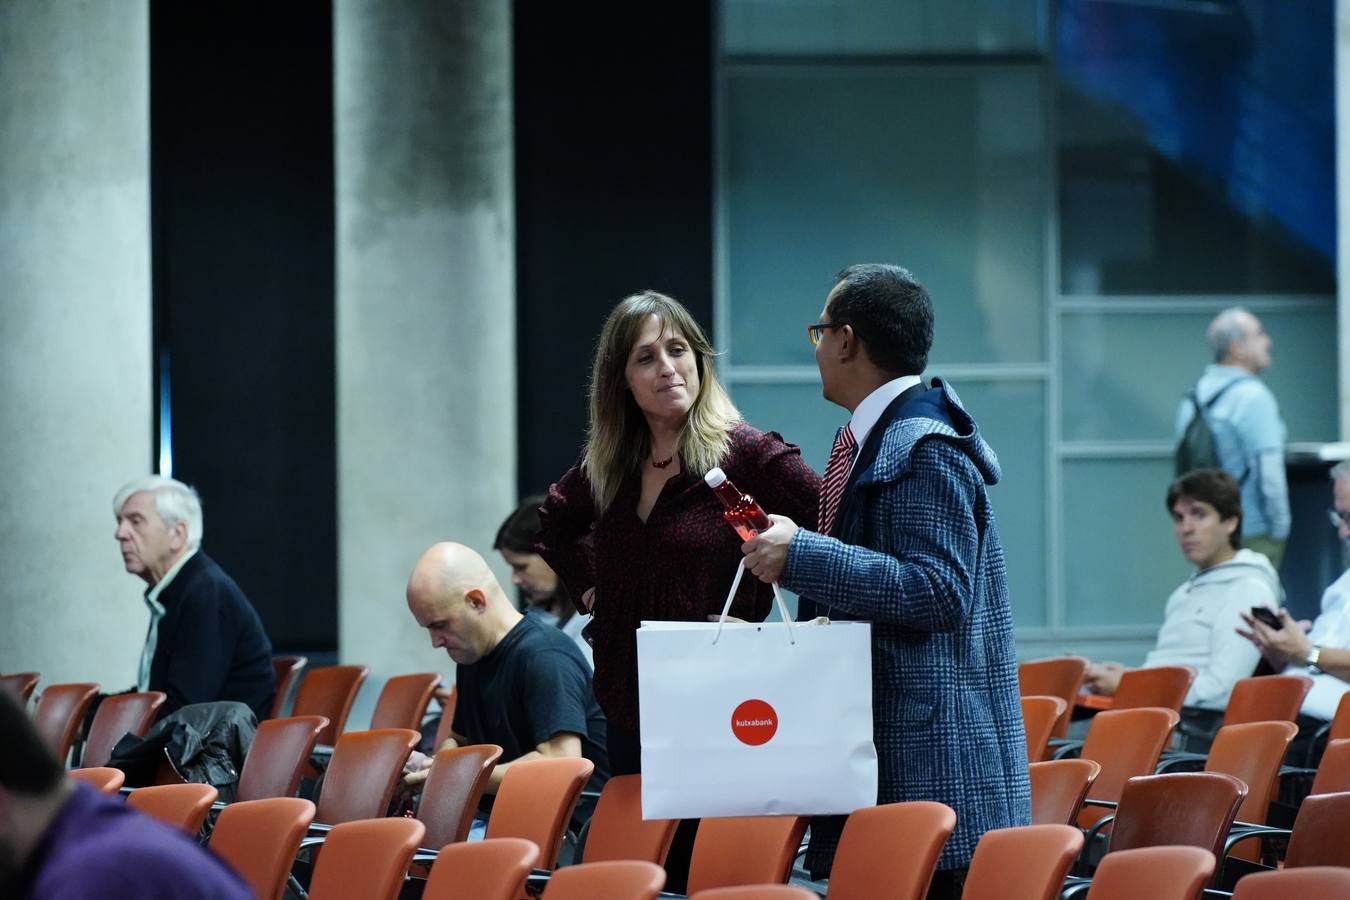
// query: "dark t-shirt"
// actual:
[[534, 684], [98, 847]]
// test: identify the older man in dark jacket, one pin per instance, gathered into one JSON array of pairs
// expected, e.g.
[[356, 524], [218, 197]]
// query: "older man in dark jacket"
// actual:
[[907, 541]]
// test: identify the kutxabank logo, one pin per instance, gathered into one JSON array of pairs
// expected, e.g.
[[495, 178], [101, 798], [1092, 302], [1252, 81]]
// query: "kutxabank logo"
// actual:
[[754, 722]]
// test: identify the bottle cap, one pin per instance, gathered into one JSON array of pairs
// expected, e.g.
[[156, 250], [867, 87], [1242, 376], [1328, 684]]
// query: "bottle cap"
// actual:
[[715, 477]]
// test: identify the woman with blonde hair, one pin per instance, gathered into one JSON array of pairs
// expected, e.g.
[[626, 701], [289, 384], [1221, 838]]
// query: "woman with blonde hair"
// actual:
[[631, 529]]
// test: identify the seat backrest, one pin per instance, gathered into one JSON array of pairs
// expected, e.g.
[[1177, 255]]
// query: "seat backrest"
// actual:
[[1028, 862], [101, 778], [259, 839], [184, 806], [1319, 836], [757, 892], [366, 859], [403, 700], [1294, 884], [1192, 809], [535, 799], [1340, 722], [1158, 873], [20, 685], [329, 691], [1057, 676], [447, 716], [744, 850], [617, 829], [277, 756], [1252, 753], [119, 715], [890, 850], [362, 774], [1058, 787], [620, 879], [492, 869], [1163, 686], [451, 793], [285, 673], [60, 710], [1039, 715], [1266, 698], [1126, 743], [1333, 771]]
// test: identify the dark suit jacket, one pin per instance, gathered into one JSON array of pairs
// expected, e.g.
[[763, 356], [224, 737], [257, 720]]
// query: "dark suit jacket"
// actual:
[[916, 552], [211, 643]]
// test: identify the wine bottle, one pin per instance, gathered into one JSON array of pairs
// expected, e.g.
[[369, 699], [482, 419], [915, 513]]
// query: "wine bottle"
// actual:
[[742, 512]]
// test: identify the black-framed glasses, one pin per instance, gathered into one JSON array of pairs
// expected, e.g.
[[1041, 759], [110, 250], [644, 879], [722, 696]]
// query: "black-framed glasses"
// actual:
[[813, 332], [1339, 518]]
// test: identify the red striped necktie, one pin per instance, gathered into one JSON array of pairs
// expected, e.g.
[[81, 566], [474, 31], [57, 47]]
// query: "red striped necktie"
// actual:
[[836, 474]]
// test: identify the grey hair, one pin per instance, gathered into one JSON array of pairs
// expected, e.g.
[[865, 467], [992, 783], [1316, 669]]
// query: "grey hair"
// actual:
[[1340, 470], [1225, 330], [174, 501]]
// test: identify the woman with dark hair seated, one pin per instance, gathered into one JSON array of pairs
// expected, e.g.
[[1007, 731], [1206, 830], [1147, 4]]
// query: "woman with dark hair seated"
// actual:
[[545, 596]]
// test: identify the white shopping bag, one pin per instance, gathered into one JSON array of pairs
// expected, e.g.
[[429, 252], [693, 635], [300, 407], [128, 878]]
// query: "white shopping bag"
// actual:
[[745, 719]]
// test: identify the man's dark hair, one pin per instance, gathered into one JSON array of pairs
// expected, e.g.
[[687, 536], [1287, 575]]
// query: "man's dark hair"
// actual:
[[27, 766], [890, 313], [1215, 487], [518, 531]]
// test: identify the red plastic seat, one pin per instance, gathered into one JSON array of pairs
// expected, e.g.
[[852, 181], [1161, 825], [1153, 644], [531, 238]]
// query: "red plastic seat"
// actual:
[[1040, 714], [617, 829], [366, 860], [889, 850], [757, 892], [1028, 863], [1311, 883], [183, 806], [616, 879], [119, 715], [259, 839], [20, 685], [1058, 787], [1156, 873], [1125, 743], [451, 793], [404, 700], [285, 672], [329, 691], [1057, 676], [100, 778], [1266, 698], [277, 756], [492, 869], [744, 850], [59, 713], [362, 775], [535, 800], [1155, 686]]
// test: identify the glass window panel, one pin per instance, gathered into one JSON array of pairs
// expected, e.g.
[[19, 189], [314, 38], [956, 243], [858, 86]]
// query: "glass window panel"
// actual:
[[1011, 416], [1125, 373], [881, 26], [1196, 147], [830, 166], [1121, 561]]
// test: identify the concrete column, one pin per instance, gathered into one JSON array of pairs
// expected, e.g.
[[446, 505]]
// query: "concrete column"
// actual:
[[426, 303], [75, 356]]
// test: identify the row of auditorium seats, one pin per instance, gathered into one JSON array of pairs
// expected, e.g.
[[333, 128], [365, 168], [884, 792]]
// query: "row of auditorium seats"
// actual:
[[1121, 747]]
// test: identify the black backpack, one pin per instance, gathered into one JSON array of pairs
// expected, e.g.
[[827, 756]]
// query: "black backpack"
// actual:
[[1196, 448]]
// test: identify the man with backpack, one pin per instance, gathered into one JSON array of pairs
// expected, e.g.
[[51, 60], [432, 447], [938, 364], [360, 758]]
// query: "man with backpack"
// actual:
[[1230, 420]]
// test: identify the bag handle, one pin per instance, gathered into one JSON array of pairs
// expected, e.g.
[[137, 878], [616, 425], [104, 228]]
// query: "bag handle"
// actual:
[[777, 594]]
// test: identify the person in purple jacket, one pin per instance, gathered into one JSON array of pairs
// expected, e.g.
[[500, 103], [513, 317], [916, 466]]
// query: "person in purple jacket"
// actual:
[[59, 838]]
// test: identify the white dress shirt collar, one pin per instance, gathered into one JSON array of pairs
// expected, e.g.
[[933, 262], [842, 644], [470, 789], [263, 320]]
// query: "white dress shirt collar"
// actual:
[[874, 404]]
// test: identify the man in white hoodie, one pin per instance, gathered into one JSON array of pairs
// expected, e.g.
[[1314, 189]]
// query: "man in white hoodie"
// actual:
[[1197, 629]]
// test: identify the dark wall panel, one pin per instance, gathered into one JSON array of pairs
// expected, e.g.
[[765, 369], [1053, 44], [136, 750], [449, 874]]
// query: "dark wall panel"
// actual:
[[243, 261], [613, 136]]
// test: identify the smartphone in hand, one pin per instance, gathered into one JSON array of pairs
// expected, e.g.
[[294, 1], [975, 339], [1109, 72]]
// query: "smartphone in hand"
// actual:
[[1263, 615]]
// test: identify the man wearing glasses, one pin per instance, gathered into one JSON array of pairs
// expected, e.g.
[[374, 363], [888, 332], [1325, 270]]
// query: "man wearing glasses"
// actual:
[[907, 541], [1324, 651]]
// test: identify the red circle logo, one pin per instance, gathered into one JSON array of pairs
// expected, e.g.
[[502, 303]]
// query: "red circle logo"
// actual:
[[754, 722]]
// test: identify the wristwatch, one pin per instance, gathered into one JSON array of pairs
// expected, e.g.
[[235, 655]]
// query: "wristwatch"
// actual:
[[1313, 655]]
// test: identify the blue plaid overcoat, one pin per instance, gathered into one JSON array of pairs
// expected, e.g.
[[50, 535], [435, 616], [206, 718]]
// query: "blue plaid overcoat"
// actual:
[[918, 555]]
